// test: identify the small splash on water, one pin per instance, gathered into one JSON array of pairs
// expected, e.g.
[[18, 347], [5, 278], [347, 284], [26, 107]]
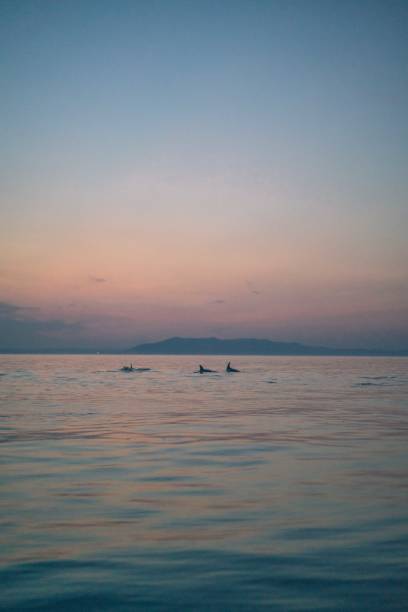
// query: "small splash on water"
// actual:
[[376, 381], [389, 377], [369, 384]]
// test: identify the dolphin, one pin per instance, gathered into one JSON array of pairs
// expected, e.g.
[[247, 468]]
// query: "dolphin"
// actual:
[[132, 369], [229, 369], [203, 370]]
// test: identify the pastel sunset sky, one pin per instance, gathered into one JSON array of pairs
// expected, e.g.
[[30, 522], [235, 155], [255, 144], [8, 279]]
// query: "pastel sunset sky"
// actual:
[[228, 168]]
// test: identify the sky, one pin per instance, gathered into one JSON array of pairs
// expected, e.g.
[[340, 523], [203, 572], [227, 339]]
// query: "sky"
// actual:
[[209, 168]]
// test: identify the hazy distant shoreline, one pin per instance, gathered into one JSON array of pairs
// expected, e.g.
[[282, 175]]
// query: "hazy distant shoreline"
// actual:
[[248, 346], [216, 346]]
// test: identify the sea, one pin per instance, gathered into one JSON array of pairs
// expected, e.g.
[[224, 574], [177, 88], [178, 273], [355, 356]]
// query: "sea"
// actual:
[[281, 487]]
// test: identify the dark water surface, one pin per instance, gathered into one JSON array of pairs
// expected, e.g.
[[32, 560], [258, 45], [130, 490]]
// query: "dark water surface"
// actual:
[[284, 487]]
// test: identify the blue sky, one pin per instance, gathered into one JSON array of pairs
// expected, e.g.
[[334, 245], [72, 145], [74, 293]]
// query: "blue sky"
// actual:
[[185, 151]]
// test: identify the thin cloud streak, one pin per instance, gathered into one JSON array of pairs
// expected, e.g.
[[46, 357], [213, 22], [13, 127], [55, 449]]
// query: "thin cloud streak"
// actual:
[[97, 279]]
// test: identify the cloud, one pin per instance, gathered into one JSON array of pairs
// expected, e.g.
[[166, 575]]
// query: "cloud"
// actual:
[[217, 302], [20, 331], [97, 279], [252, 289], [7, 309]]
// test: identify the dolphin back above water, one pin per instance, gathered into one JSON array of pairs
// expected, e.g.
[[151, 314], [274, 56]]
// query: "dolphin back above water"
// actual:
[[203, 370], [132, 369], [230, 369]]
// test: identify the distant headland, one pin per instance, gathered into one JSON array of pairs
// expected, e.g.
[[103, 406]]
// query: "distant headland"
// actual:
[[246, 346], [211, 346]]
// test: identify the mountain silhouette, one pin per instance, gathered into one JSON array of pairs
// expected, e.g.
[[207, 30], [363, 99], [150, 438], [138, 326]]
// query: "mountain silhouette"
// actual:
[[244, 346]]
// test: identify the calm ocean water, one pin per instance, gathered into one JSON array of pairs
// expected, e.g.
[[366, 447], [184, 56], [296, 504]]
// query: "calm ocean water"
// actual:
[[284, 487]]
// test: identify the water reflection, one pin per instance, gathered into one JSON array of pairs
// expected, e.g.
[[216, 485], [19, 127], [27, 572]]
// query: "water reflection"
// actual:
[[168, 490]]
